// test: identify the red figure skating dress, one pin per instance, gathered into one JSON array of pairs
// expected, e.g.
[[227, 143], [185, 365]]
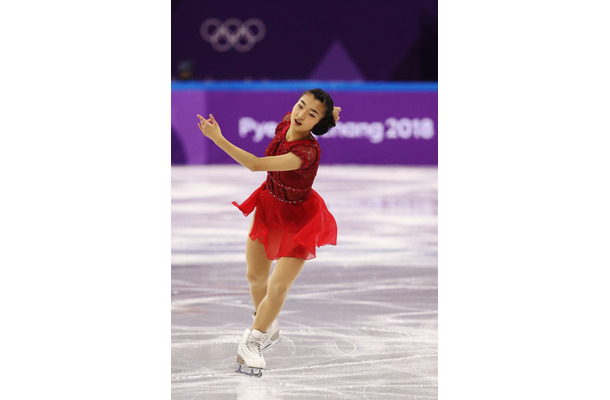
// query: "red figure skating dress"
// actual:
[[291, 218]]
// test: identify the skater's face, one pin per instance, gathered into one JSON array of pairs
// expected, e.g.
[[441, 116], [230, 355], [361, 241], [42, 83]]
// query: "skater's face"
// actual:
[[306, 113]]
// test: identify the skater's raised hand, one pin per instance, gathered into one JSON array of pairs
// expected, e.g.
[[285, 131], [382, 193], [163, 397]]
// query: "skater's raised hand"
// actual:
[[209, 127], [336, 112]]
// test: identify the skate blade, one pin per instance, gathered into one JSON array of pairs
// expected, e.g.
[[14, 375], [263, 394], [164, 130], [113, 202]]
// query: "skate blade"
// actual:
[[243, 369], [255, 372], [272, 342]]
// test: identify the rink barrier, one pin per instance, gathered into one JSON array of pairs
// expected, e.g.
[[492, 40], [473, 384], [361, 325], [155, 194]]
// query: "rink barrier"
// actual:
[[382, 123]]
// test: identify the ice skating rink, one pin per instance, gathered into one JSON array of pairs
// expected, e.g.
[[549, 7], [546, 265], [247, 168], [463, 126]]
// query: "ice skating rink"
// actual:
[[359, 323]]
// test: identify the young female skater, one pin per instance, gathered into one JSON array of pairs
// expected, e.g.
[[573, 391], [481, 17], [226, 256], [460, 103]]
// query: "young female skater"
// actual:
[[290, 220]]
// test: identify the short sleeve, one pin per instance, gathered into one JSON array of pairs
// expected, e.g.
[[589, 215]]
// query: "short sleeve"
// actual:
[[308, 153], [283, 123]]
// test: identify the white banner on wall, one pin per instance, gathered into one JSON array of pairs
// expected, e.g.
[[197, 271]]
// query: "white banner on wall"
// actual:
[[375, 131]]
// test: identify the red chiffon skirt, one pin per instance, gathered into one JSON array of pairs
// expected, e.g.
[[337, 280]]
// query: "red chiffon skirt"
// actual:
[[289, 230]]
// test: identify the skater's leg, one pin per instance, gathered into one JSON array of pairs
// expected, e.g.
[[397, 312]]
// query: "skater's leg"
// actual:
[[259, 267], [285, 272]]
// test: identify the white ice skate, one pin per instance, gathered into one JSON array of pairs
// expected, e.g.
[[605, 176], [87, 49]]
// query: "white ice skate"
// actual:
[[273, 334], [250, 353]]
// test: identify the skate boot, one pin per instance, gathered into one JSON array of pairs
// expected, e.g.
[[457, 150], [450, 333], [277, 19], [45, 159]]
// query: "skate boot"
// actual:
[[273, 333], [250, 353]]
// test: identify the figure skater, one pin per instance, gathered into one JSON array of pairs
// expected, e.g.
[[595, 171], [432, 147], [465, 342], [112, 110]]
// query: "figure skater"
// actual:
[[290, 220]]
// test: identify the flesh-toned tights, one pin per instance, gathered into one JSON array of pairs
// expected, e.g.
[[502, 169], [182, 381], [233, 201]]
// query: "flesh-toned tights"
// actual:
[[269, 292]]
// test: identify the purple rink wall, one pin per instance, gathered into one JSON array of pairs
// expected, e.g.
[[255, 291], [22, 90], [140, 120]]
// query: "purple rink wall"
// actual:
[[381, 123]]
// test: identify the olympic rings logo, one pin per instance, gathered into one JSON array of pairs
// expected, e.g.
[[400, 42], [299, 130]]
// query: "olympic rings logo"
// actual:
[[223, 36]]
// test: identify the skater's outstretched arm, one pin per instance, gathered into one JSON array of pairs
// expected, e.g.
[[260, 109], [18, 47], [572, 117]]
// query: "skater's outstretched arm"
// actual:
[[286, 162]]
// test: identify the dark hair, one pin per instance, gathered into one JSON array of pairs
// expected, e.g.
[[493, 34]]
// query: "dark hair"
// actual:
[[327, 120]]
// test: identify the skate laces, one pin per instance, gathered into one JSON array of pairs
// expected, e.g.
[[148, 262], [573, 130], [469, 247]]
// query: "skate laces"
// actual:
[[258, 346], [255, 345]]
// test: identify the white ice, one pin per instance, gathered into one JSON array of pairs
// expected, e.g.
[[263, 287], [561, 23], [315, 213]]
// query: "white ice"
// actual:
[[359, 323]]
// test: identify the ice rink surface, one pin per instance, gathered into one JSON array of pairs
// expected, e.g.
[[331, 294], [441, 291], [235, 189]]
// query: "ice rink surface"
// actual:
[[361, 320]]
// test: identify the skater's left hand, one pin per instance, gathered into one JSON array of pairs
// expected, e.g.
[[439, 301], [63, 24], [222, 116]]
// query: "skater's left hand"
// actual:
[[336, 112]]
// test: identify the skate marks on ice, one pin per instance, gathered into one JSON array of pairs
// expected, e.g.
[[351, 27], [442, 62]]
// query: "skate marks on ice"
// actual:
[[359, 323], [300, 367], [328, 361]]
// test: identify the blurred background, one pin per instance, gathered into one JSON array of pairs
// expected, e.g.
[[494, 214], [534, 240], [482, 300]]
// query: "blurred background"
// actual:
[[247, 62]]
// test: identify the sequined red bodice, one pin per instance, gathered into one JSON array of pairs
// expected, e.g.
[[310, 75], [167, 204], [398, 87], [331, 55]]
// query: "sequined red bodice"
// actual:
[[292, 187]]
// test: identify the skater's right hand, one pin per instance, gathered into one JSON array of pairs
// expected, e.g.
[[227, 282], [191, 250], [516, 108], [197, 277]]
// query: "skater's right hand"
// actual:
[[336, 112], [209, 127]]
